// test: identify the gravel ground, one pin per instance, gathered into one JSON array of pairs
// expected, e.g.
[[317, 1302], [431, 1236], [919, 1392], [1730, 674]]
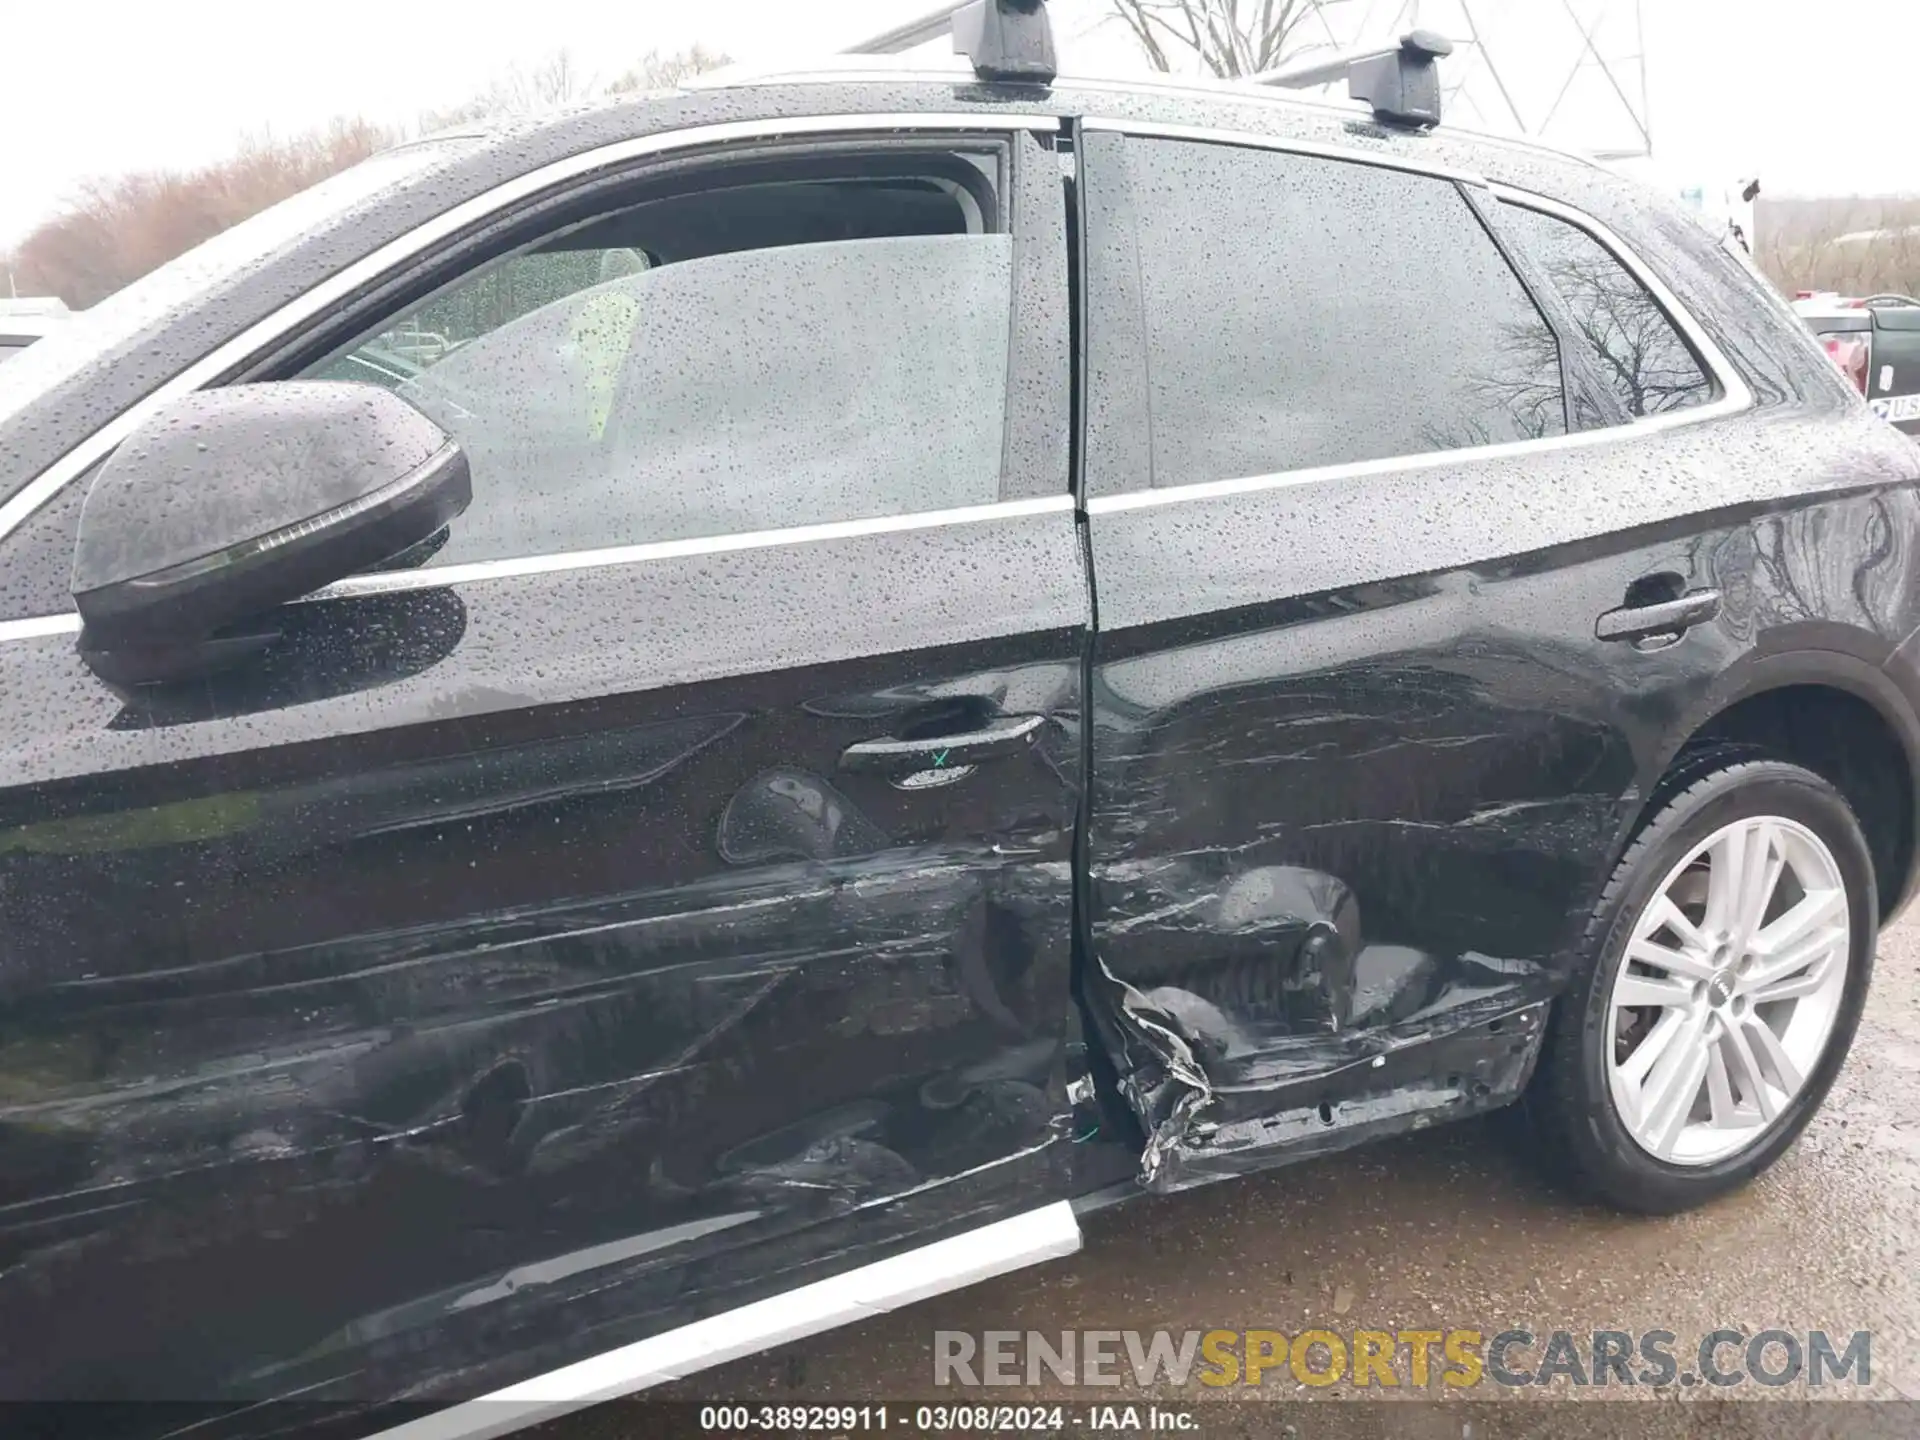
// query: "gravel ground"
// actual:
[[1453, 1229]]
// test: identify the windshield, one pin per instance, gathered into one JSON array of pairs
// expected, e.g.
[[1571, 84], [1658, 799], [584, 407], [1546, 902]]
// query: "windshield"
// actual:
[[70, 346]]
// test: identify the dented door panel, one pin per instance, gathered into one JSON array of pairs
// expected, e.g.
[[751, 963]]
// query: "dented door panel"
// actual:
[[514, 969], [1344, 845], [1336, 842]]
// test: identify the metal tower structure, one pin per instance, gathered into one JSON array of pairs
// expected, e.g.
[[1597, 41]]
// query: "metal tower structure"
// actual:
[[1570, 72]]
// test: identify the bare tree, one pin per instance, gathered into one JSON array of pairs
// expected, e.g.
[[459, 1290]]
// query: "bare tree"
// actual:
[[559, 80], [1641, 358], [1231, 37], [1857, 245], [1630, 347], [116, 230], [556, 80], [662, 72]]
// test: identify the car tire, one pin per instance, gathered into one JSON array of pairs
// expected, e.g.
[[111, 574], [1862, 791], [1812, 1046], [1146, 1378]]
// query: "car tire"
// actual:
[[1613, 1122]]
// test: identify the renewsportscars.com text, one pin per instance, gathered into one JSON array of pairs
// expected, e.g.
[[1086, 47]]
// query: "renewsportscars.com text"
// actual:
[[1383, 1359]]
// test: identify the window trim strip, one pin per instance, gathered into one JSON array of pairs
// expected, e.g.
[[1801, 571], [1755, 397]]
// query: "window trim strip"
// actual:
[[1735, 398], [1391, 464], [394, 582], [40, 627], [265, 333]]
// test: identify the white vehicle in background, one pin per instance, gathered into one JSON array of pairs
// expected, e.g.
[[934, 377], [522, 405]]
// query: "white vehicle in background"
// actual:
[[25, 320]]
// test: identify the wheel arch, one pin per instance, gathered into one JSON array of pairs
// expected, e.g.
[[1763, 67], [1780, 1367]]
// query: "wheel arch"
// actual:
[[1824, 696]]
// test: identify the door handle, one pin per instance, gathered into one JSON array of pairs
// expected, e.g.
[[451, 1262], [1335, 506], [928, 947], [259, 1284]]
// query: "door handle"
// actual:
[[889, 756], [1668, 617]]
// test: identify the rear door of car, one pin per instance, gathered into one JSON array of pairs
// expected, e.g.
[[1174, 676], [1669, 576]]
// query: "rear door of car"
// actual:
[[657, 898], [1363, 742]]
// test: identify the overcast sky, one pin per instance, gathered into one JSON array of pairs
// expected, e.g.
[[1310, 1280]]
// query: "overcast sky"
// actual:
[[97, 87]]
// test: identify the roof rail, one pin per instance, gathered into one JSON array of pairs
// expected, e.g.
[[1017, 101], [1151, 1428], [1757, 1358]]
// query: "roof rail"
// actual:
[[1401, 83], [1009, 40]]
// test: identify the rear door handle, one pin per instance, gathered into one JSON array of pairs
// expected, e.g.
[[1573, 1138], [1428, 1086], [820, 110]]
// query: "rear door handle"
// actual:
[[1669, 617], [888, 756]]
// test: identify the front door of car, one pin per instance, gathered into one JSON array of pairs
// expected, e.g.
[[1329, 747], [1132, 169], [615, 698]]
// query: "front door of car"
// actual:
[[655, 897], [1359, 752]]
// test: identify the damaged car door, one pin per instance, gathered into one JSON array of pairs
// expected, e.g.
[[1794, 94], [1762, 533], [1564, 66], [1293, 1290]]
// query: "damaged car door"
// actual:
[[652, 894], [1354, 761]]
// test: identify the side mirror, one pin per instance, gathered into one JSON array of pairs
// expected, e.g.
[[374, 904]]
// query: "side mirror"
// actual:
[[231, 502]]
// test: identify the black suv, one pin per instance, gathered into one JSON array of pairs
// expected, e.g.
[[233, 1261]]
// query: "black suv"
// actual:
[[626, 737]]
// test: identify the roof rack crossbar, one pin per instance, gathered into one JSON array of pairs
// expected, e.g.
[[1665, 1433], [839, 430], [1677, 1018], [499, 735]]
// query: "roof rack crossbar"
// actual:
[[1401, 82], [913, 33], [1012, 40], [1007, 40]]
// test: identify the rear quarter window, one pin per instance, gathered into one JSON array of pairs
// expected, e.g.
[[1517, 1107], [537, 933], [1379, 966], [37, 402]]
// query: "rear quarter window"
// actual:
[[1637, 350]]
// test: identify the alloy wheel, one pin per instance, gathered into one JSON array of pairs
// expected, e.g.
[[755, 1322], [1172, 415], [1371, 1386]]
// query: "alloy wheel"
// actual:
[[1727, 995]]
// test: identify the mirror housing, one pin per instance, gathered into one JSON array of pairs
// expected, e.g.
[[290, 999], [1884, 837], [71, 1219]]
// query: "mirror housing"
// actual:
[[230, 502]]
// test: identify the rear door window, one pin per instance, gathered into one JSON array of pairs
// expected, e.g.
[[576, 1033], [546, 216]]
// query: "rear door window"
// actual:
[[1305, 312]]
